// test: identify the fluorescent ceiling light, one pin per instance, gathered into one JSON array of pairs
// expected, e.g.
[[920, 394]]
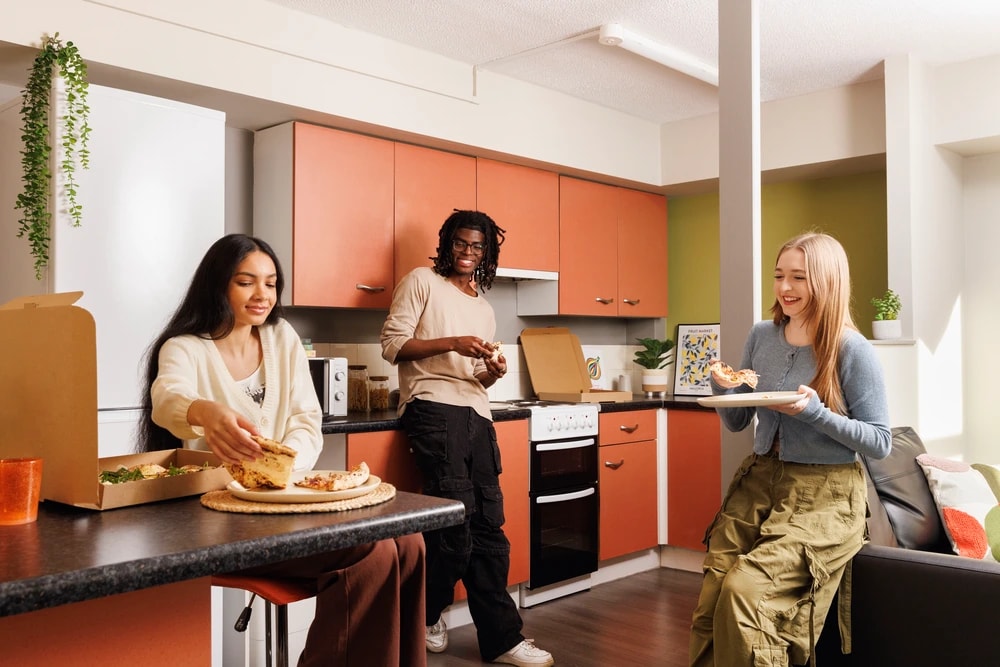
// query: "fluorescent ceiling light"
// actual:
[[614, 34]]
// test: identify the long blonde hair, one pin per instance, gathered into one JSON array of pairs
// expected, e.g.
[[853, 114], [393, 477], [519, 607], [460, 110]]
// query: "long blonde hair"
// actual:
[[828, 314]]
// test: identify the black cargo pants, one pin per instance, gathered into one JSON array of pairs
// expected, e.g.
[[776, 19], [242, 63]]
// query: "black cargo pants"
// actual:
[[457, 453]]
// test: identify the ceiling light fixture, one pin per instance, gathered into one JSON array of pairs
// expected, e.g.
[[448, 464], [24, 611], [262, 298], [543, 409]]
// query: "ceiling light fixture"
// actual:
[[614, 34]]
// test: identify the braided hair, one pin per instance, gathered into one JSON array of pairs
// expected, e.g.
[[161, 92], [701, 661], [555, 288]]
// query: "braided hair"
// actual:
[[476, 220]]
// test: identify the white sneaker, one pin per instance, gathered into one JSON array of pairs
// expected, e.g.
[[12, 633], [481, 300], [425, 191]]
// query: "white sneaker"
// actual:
[[526, 654], [436, 637]]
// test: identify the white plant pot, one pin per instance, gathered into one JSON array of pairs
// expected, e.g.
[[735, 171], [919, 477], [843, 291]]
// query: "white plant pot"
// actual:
[[655, 379], [887, 329]]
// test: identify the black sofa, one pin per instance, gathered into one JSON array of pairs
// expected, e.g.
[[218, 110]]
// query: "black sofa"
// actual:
[[914, 603]]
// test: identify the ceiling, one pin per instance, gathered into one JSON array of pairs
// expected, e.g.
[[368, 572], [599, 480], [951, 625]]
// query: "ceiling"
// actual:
[[805, 45]]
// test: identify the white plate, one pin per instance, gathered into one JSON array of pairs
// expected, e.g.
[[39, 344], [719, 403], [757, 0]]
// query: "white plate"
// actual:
[[299, 494], [750, 400]]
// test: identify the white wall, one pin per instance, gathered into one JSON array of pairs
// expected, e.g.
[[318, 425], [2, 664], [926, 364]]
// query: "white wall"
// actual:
[[981, 203], [941, 228], [830, 125]]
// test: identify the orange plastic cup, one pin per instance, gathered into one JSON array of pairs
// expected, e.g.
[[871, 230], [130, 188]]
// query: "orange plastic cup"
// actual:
[[20, 488]]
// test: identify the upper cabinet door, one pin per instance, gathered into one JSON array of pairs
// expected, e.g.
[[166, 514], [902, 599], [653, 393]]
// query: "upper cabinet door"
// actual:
[[430, 184], [525, 203], [314, 187], [342, 220], [642, 254], [588, 248]]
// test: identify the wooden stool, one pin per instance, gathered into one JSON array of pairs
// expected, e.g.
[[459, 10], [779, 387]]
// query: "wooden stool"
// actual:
[[275, 591]]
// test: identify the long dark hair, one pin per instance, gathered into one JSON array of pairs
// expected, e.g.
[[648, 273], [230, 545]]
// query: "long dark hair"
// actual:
[[480, 222], [204, 312]]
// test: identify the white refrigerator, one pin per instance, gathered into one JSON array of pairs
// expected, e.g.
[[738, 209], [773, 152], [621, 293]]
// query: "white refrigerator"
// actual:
[[153, 201]]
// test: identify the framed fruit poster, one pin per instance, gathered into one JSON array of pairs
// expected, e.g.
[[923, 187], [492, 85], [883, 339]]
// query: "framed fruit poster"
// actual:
[[697, 346]]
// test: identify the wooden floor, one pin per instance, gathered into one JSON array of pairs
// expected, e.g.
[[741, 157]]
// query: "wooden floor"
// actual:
[[637, 621]]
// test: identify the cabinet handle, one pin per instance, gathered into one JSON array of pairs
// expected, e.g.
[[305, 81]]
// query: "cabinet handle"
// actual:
[[631, 302], [614, 466], [629, 429], [603, 300], [369, 288]]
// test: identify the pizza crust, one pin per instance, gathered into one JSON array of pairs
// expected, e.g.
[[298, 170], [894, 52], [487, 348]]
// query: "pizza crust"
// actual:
[[335, 480], [272, 470], [497, 350]]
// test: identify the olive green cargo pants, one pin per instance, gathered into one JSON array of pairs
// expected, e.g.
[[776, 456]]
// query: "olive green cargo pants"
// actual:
[[777, 552]]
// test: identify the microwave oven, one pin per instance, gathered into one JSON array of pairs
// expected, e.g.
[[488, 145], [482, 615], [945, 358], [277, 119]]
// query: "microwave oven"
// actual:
[[329, 375]]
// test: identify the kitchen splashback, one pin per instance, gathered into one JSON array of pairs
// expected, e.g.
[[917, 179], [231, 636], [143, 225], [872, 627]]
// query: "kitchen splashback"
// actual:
[[613, 360]]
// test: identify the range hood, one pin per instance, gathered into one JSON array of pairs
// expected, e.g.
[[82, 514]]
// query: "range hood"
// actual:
[[525, 274]]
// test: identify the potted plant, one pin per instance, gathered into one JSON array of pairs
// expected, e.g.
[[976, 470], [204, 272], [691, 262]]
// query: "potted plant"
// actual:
[[654, 358], [886, 325], [57, 68]]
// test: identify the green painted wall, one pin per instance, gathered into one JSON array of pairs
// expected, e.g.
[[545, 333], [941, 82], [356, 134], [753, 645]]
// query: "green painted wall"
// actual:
[[850, 208]]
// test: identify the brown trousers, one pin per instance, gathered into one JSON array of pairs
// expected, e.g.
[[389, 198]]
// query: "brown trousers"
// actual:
[[369, 604], [776, 554]]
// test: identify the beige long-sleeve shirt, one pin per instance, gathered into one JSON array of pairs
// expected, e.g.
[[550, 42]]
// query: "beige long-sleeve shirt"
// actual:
[[192, 368], [424, 306]]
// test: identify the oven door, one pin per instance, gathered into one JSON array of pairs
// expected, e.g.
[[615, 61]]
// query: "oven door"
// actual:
[[563, 464], [563, 535]]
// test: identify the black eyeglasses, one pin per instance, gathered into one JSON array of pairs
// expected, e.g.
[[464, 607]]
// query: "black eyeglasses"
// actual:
[[458, 245]]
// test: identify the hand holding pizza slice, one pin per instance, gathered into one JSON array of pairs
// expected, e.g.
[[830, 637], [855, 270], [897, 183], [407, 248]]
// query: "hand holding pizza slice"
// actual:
[[726, 377]]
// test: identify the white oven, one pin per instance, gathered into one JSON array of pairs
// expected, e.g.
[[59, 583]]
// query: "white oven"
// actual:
[[563, 490]]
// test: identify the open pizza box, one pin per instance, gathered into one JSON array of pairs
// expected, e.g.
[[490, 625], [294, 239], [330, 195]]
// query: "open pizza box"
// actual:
[[48, 376], [558, 370]]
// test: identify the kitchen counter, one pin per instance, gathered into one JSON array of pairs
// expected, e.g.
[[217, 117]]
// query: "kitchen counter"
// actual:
[[386, 420], [70, 554]]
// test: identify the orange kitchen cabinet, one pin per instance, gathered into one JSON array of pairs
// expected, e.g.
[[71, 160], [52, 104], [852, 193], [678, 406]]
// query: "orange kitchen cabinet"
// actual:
[[388, 455], [612, 251], [323, 198], [512, 437], [525, 203], [588, 248], [429, 185], [627, 481], [642, 254], [628, 498], [694, 469], [618, 427]]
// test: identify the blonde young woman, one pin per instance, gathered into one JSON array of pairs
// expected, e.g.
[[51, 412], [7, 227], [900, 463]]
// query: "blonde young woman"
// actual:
[[794, 515]]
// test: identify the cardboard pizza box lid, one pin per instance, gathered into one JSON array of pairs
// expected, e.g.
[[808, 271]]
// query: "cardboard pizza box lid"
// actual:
[[558, 370], [49, 370]]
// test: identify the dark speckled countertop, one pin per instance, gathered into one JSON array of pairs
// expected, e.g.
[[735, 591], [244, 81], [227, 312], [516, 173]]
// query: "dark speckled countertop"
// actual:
[[386, 420], [71, 554]]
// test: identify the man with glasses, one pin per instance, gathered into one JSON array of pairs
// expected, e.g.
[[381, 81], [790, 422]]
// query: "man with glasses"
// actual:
[[439, 332]]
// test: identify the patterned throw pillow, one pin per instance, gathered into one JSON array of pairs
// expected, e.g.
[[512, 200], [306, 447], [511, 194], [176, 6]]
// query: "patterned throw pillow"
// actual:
[[968, 507]]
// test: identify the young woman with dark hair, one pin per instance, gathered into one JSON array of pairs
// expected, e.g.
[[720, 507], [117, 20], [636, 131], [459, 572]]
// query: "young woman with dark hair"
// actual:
[[228, 366]]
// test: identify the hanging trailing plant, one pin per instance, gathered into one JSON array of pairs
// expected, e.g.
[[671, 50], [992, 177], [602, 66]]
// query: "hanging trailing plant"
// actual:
[[64, 60]]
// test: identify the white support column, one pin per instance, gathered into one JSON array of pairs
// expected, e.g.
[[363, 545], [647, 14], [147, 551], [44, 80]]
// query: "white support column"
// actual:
[[739, 194]]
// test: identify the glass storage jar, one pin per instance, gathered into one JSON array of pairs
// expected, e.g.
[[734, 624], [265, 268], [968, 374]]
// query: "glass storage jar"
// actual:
[[378, 392], [357, 388]]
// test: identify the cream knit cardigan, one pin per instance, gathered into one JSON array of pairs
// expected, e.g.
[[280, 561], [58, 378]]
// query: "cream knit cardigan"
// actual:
[[192, 368]]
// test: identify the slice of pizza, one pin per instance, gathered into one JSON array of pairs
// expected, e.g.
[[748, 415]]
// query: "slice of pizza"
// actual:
[[270, 471], [735, 378], [336, 480], [497, 350]]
